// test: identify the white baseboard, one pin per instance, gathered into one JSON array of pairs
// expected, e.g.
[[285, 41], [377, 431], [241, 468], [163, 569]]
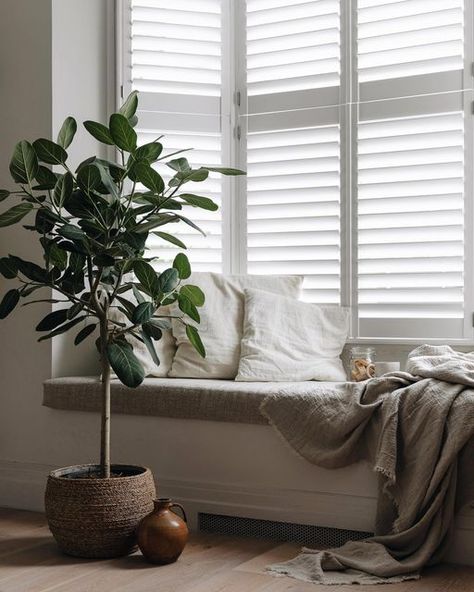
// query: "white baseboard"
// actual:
[[22, 487], [349, 512]]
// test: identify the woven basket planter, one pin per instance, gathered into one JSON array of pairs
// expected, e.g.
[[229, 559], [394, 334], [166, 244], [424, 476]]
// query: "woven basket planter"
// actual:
[[98, 518]]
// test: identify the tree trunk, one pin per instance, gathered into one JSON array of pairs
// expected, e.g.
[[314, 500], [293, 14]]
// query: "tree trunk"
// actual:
[[105, 415]]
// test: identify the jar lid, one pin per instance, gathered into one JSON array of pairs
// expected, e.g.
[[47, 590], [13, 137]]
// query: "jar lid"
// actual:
[[361, 350]]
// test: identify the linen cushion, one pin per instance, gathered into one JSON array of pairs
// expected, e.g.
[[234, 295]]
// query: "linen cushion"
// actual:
[[288, 340], [221, 322]]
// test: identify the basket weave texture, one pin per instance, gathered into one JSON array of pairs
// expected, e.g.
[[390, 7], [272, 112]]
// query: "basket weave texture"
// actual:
[[98, 518]]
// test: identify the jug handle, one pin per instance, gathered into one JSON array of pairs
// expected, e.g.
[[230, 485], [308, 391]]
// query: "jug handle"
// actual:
[[181, 508]]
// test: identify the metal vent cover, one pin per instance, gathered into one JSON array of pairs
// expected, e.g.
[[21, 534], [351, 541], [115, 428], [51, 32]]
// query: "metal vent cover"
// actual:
[[304, 534]]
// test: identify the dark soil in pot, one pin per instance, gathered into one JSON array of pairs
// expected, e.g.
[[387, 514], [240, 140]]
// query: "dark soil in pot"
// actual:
[[94, 517]]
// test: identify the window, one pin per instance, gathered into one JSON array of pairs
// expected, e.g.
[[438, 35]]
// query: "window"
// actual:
[[353, 121]]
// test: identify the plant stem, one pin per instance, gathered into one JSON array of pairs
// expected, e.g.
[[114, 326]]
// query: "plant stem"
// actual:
[[105, 415]]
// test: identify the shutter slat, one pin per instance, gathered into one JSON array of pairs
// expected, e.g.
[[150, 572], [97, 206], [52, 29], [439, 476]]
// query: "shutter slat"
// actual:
[[211, 6], [304, 238]]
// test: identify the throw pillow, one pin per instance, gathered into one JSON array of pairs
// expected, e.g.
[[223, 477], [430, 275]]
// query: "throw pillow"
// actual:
[[221, 322], [287, 340]]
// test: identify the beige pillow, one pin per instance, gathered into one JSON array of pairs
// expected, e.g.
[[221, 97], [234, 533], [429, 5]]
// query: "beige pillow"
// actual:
[[221, 322], [165, 347], [287, 340]]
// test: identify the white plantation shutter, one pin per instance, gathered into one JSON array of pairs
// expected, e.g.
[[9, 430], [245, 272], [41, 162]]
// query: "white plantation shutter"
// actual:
[[411, 169], [175, 57], [353, 120], [411, 225], [293, 145]]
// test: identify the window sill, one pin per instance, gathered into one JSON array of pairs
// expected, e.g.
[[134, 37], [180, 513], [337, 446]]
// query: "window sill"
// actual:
[[414, 342]]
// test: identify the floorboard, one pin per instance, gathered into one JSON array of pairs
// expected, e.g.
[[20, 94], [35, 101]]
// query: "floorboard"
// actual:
[[30, 562]]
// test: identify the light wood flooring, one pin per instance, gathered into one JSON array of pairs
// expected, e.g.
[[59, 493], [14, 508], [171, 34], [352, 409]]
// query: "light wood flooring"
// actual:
[[30, 562]]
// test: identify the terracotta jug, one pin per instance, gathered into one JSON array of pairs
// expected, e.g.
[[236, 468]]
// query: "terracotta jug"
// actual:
[[162, 534]]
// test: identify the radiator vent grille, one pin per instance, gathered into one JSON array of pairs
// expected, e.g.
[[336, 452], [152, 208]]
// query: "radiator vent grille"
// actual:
[[311, 536]]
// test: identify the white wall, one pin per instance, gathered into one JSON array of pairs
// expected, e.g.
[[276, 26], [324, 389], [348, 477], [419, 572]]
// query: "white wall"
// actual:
[[53, 63], [80, 80], [25, 113]]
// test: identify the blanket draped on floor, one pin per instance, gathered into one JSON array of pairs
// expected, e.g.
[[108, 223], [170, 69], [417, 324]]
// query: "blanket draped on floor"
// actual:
[[416, 428]]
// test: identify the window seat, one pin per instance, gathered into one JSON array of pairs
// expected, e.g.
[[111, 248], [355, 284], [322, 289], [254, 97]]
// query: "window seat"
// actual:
[[185, 398]]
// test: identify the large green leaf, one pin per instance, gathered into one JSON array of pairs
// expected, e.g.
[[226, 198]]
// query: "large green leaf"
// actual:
[[128, 306], [154, 222], [8, 268], [84, 333], [129, 108], [122, 132], [143, 313], [53, 320], [194, 294], [181, 264], [147, 277], [179, 164], [63, 328], [77, 262], [195, 340], [150, 347], [107, 180], [125, 364], [199, 201], [67, 132], [99, 131], [104, 260], [72, 232], [57, 257], [8, 303], [75, 309], [63, 189], [79, 205], [149, 152], [45, 178], [196, 175], [88, 178], [45, 220], [24, 163], [171, 239], [4, 193], [190, 223], [136, 292], [225, 170], [149, 177], [32, 271], [49, 152], [152, 330], [168, 280], [186, 306], [15, 214]]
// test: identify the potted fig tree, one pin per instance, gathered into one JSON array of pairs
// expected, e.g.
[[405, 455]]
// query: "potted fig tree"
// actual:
[[92, 225]]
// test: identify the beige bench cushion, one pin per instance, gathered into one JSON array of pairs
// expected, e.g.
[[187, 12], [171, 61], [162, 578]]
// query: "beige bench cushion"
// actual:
[[214, 400]]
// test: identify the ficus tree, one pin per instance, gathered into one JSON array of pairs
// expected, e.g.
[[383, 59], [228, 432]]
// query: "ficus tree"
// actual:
[[92, 225]]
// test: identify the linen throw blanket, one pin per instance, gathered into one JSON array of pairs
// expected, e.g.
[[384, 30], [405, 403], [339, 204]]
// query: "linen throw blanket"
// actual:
[[416, 428]]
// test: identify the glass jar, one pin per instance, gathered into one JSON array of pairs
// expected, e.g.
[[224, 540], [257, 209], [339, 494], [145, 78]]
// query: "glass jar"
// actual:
[[362, 363]]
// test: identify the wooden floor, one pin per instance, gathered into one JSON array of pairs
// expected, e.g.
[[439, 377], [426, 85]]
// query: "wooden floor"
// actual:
[[30, 562]]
